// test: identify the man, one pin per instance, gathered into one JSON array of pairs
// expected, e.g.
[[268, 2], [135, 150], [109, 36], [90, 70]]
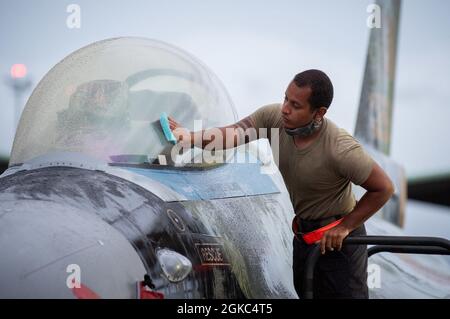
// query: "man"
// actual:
[[318, 161]]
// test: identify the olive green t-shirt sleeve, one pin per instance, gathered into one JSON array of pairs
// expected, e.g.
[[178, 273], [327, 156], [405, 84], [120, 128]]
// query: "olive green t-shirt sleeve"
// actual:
[[352, 161], [265, 119], [267, 116]]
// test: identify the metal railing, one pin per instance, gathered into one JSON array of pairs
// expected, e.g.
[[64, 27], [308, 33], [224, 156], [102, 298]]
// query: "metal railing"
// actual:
[[394, 244]]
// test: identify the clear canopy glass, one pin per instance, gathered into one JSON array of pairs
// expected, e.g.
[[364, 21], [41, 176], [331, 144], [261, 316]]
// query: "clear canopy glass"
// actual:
[[105, 100]]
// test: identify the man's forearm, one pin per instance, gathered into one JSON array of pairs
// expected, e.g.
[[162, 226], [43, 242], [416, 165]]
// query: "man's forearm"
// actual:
[[228, 136], [217, 138], [369, 204]]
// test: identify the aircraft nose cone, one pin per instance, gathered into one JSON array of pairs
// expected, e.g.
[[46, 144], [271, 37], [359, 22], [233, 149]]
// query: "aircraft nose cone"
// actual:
[[47, 248]]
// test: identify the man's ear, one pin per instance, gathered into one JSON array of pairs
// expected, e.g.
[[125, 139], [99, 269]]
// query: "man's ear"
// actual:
[[322, 111]]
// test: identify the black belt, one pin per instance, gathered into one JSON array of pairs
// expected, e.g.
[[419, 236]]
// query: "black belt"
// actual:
[[306, 226]]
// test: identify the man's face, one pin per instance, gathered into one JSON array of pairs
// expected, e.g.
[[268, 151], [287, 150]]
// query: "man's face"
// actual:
[[296, 110]]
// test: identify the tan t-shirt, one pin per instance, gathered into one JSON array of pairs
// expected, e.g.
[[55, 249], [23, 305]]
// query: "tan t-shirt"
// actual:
[[318, 177]]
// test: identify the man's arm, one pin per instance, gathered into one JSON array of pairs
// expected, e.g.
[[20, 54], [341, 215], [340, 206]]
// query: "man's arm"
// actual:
[[379, 189], [231, 135]]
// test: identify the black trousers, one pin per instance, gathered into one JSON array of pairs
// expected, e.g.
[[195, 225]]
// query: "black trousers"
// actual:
[[338, 274]]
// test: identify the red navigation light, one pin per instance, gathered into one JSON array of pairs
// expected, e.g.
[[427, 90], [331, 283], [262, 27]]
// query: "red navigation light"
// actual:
[[18, 71]]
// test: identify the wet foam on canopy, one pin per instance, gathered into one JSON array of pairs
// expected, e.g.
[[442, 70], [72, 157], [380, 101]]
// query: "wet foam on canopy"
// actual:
[[101, 100]]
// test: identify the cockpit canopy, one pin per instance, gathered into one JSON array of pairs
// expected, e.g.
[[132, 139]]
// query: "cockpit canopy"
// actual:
[[105, 100]]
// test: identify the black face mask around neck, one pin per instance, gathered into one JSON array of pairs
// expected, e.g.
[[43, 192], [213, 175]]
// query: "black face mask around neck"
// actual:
[[306, 130]]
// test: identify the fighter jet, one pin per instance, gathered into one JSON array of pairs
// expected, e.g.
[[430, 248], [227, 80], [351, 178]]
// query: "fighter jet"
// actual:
[[93, 206]]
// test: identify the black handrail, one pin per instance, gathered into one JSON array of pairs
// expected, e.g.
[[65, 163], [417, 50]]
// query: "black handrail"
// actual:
[[425, 250], [397, 244]]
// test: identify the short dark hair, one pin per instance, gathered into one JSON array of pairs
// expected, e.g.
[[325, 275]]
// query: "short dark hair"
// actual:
[[321, 87]]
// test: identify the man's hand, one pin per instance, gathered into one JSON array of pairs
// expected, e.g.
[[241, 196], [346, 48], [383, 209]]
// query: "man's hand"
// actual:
[[333, 238], [183, 135]]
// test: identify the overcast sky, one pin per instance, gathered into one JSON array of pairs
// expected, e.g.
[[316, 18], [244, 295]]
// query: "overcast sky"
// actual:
[[255, 48]]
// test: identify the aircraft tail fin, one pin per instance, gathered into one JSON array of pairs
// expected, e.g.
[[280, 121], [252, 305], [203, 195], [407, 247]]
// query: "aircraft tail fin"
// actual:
[[374, 120]]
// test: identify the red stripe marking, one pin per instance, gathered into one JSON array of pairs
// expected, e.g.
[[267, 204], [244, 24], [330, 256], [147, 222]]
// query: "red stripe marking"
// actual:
[[84, 293]]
